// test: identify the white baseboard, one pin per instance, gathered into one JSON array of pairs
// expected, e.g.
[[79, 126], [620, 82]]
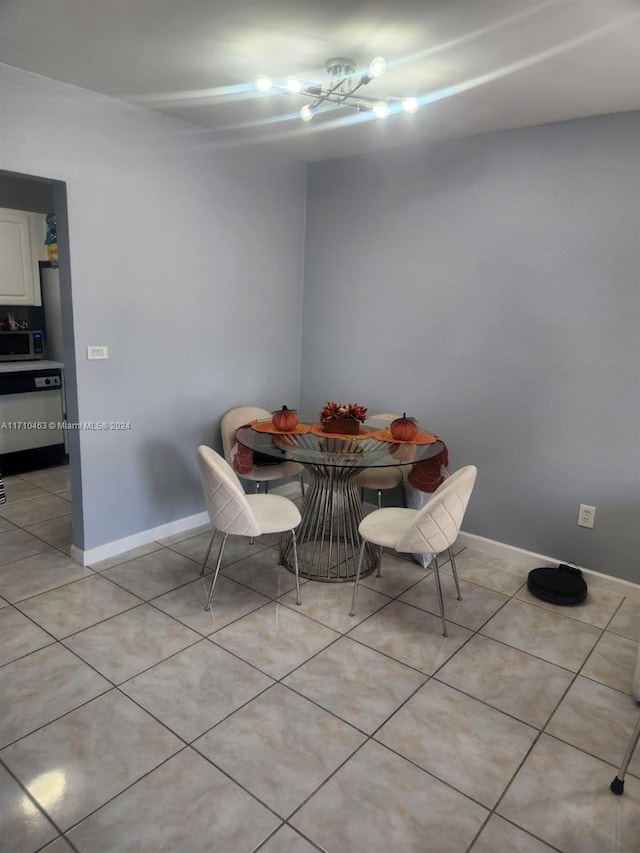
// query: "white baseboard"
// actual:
[[511, 552], [467, 540], [119, 546]]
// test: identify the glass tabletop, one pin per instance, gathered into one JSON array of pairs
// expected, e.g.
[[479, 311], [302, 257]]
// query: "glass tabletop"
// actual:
[[349, 451]]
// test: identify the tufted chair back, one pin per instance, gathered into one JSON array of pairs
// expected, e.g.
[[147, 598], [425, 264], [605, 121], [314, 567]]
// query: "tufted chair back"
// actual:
[[227, 504], [436, 526]]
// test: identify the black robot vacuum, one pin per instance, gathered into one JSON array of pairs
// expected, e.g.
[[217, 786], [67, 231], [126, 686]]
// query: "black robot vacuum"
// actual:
[[562, 585]]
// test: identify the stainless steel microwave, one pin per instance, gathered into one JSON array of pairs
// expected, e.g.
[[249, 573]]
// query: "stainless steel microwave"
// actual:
[[24, 345]]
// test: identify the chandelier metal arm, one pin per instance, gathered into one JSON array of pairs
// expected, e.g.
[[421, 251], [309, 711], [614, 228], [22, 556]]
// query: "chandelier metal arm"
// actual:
[[334, 93], [329, 95]]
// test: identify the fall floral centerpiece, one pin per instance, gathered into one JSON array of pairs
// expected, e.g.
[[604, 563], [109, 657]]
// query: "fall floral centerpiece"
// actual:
[[342, 418]]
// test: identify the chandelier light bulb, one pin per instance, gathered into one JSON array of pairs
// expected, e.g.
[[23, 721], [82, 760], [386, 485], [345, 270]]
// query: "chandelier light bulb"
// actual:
[[307, 112], [410, 105], [381, 110], [264, 83], [377, 67], [293, 85]]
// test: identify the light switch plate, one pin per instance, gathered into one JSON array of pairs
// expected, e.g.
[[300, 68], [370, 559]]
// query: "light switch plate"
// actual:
[[97, 352]]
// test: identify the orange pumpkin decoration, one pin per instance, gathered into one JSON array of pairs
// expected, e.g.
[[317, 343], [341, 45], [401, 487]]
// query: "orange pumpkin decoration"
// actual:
[[404, 428], [285, 419]]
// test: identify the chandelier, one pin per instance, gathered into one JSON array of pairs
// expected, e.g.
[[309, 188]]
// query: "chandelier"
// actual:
[[340, 90]]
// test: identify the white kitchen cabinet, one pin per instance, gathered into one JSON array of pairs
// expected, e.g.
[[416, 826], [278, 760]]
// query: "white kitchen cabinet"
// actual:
[[19, 253]]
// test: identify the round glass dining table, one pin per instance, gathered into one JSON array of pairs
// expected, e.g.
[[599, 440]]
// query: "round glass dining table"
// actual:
[[328, 539]]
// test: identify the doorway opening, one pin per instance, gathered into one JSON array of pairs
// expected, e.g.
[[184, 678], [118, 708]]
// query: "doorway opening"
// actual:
[[39, 457]]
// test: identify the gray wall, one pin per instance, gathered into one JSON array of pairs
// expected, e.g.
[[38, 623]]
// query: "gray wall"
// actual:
[[186, 260], [489, 286]]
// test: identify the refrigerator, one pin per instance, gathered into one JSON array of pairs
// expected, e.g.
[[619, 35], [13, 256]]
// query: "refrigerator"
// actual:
[[50, 287], [52, 307]]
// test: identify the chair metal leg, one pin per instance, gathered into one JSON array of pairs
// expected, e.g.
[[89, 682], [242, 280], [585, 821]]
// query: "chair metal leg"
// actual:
[[257, 493], [617, 786], [206, 556], [215, 576], [297, 568], [302, 485], [455, 573], [436, 574], [379, 562], [357, 580], [379, 498]]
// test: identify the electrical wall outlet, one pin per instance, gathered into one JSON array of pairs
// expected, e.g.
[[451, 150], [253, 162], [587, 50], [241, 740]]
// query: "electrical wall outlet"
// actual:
[[586, 515]]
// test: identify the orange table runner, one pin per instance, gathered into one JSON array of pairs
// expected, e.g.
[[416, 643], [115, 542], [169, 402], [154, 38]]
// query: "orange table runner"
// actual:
[[268, 427], [420, 438], [316, 429]]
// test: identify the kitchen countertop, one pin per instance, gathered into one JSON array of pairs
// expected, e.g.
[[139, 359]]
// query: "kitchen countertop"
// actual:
[[42, 364]]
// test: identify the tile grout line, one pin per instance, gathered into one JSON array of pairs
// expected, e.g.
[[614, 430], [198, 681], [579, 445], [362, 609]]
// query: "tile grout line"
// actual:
[[33, 802]]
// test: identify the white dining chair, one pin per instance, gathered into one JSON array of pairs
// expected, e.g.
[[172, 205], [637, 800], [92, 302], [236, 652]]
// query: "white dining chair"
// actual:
[[430, 530], [382, 479], [232, 512], [259, 474]]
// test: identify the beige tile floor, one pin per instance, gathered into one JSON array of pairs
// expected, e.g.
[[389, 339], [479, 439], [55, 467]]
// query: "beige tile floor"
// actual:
[[132, 720]]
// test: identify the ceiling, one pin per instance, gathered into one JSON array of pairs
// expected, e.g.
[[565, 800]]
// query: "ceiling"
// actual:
[[477, 65]]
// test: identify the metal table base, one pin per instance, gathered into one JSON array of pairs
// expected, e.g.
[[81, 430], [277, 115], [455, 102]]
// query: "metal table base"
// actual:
[[328, 540]]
